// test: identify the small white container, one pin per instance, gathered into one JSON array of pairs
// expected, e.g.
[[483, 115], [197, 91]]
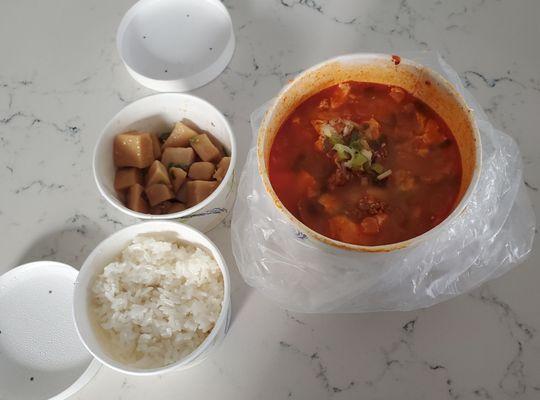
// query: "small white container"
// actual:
[[106, 252], [41, 356], [158, 113], [175, 45]]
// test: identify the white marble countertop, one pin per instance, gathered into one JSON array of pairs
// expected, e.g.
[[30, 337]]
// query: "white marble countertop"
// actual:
[[60, 82]]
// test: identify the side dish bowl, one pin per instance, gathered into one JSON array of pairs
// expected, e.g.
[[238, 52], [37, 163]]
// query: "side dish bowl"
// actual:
[[106, 252], [420, 81], [158, 113]]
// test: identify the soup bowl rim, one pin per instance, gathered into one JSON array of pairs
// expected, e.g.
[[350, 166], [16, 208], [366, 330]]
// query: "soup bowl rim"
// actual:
[[333, 244]]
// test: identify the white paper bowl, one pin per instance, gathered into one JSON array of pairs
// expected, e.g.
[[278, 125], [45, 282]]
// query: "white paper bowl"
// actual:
[[158, 113], [106, 252], [175, 45]]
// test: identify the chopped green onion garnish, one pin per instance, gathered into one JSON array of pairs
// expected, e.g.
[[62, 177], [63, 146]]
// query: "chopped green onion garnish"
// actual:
[[384, 175], [368, 154], [331, 134], [378, 168], [364, 143], [343, 152], [355, 144], [357, 162]]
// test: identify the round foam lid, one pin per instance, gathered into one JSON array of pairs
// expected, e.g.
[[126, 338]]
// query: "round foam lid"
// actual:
[[41, 355], [176, 45]]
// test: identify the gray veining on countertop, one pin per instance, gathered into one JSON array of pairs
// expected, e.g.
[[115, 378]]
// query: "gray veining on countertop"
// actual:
[[60, 82]]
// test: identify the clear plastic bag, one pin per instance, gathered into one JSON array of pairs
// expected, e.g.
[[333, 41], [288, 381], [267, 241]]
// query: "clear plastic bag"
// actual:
[[493, 234]]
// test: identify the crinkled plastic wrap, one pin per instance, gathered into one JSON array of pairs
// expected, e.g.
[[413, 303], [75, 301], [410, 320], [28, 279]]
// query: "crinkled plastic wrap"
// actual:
[[493, 235]]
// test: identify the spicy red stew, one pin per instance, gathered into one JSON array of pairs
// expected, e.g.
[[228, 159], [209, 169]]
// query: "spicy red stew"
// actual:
[[366, 163]]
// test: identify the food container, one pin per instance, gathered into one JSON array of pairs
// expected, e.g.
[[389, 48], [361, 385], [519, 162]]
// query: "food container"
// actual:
[[41, 356], [420, 81], [175, 45], [106, 252], [158, 113]]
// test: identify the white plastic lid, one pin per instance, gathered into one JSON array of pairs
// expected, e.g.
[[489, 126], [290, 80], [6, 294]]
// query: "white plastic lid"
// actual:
[[41, 355], [176, 45]]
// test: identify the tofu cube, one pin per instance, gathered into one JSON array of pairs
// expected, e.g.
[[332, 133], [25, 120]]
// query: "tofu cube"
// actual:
[[133, 149], [204, 148], [197, 191], [158, 193], [222, 168], [201, 170], [180, 136], [126, 177], [157, 173], [135, 199], [178, 157]]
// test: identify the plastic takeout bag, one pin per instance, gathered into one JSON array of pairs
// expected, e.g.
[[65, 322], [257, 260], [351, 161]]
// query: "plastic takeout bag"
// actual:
[[493, 234]]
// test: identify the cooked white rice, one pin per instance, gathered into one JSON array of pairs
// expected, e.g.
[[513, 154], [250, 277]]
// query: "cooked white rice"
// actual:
[[157, 302]]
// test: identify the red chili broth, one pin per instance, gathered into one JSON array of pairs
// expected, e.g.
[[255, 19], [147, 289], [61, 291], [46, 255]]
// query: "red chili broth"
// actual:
[[425, 175]]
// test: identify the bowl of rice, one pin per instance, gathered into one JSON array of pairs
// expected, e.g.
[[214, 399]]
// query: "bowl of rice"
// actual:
[[152, 298]]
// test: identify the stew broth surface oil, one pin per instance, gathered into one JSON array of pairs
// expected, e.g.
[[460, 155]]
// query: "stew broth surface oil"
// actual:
[[366, 164]]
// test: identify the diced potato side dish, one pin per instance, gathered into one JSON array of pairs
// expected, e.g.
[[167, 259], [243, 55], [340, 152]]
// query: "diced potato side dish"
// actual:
[[201, 170], [133, 149], [167, 173], [126, 177], [156, 145], [122, 195], [180, 136], [158, 193], [178, 177], [204, 148], [181, 194], [157, 173], [222, 168], [197, 191], [176, 207], [135, 199], [181, 157]]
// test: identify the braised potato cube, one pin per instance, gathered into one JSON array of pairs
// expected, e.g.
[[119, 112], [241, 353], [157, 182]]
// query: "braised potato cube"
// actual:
[[176, 207], [135, 199], [180, 136], [201, 170], [157, 174], [222, 168], [197, 191], [178, 157], [122, 196], [133, 149], [204, 147], [161, 208], [219, 146], [178, 176], [126, 177], [156, 146], [181, 194], [158, 193]]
